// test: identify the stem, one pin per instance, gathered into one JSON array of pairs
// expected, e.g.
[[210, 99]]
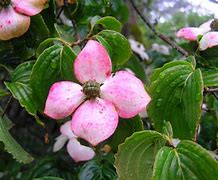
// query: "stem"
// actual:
[[160, 35], [78, 42]]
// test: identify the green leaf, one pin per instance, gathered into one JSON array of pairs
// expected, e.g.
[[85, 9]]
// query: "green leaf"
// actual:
[[46, 44], [23, 93], [121, 50], [12, 146], [210, 77], [136, 155], [48, 178], [105, 44], [65, 32], [6, 122], [187, 161], [39, 29], [126, 128], [108, 22], [20, 88], [53, 165], [66, 64], [3, 93], [54, 64], [177, 94], [167, 130], [98, 168], [22, 72]]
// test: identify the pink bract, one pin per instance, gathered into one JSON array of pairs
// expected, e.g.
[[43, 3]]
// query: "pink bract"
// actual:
[[92, 63], [67, 131], [209, 40], [191, 33], [15, 20], [77, 151], [63, 98], [96, 119]]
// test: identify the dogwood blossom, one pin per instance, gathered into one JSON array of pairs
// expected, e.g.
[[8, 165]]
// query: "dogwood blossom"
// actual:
[[139, 49], [77, 151], [15, 16], [209, 40], [191, 33], [96, 104], [160, 48], [209, 36]]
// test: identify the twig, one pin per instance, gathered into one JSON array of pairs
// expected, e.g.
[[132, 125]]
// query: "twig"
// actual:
[[6, 107], [211, 91], [78, 42], [160, 35]]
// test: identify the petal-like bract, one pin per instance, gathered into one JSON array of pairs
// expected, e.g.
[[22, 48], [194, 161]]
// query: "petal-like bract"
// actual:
[[208, 40], [95, 120], [60, 141], [12, 24], [29, 7], [63, 98], [79, 152], [206, 26], [67, 131], [126, 92], [92, 63], [189, 33]]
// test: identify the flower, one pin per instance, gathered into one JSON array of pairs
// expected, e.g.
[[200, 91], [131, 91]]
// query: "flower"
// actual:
[[191, 33], [209, 39], [14, 16], [103, 96], [160, 48], [77, 151], [139, 49]]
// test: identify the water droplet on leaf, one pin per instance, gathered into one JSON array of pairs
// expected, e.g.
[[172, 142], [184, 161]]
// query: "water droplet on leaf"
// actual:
[[162, 75], [159, 102], [53, 65], [157, 89]]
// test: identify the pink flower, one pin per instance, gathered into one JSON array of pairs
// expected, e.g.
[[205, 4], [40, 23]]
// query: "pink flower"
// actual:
[[96, 105], [14, 16], [209, 40], [191, 33], [77, 151]]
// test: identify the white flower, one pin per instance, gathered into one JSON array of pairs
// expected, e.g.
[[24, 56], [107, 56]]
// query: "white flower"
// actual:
[[139, 49], [160, 48]]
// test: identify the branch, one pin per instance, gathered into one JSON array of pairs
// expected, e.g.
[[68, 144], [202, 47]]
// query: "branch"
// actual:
[[211, 91], [160, 35]]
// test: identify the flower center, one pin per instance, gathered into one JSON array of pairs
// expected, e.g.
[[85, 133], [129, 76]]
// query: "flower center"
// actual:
[[4, 3], [91, 89], [214, 25]]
